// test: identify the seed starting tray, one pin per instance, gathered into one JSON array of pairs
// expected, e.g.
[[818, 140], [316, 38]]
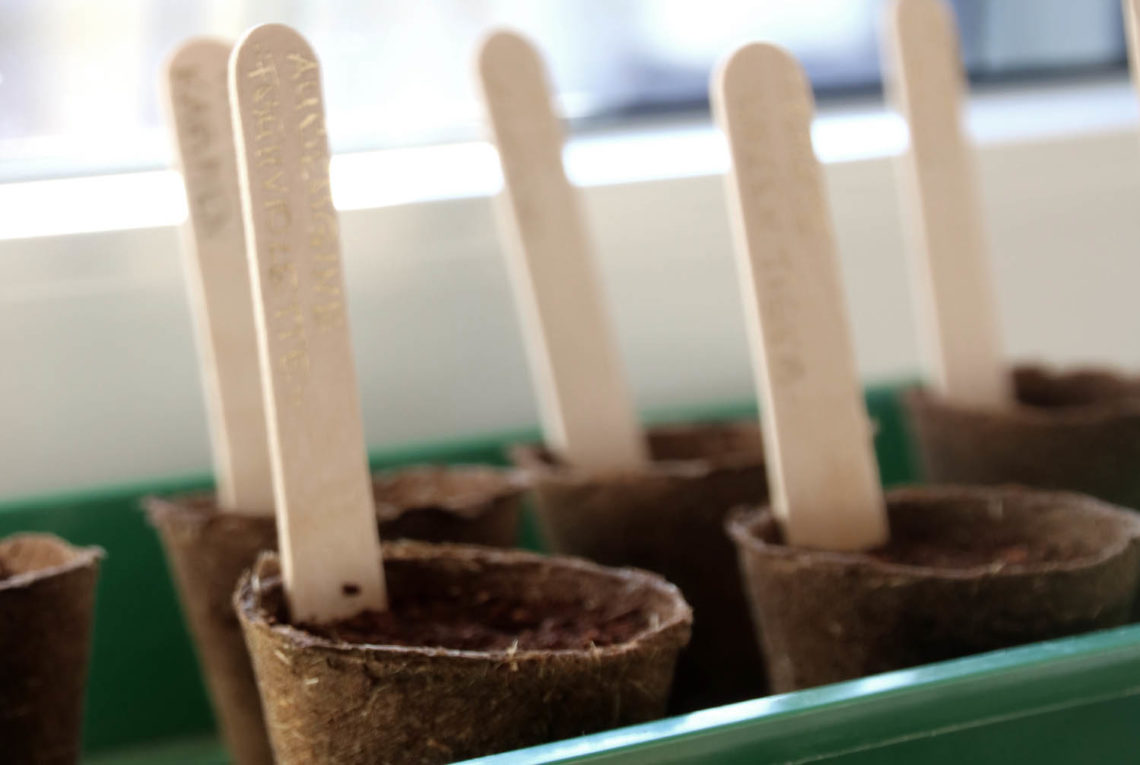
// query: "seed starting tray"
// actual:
[[1070, 700]]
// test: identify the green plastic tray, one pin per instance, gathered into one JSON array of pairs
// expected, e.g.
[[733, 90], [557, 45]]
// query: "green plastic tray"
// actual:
[[1075, 700]]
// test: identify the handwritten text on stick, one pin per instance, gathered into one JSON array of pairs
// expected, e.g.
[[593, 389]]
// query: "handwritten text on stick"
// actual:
[[293, 315], [211, 208], [330, 552]]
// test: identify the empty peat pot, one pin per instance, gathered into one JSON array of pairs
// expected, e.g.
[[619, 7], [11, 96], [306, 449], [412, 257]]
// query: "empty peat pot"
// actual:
[[669, 518], [1073, 430], [482, 651], [208, 550], [47, 600], [966, 570]]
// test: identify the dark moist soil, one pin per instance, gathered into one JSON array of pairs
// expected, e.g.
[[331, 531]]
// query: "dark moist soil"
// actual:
[[935, 554], [491, 624]]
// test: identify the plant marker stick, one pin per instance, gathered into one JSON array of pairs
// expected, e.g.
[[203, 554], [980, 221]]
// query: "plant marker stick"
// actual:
[[1132, 25], [825, 485], [587, 413], [941, 195], [198, 109], [326, 520]]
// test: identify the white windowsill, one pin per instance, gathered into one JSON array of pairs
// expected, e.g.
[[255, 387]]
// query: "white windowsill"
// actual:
[[100, 380], [384, 178]]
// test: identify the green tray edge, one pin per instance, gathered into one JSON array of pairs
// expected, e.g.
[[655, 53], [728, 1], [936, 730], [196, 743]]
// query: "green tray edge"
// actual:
[[994, 707]]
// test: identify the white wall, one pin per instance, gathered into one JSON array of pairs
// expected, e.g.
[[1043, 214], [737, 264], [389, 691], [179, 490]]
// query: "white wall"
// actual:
[[99, 382]]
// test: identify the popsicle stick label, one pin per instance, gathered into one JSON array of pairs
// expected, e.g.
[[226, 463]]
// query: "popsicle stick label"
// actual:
[[1132, 25], [941, 198], [198, 105], [587, 412], [821, 464], [326, 519]]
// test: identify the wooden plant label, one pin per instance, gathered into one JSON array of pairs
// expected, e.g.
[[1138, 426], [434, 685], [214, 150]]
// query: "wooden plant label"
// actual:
[[198, 106], [329, 544], [821, 463], [951, 263], [587, 413], [1132, 24]]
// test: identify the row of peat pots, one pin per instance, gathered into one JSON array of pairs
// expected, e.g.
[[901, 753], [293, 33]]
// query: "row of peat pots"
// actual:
[[486, 648]]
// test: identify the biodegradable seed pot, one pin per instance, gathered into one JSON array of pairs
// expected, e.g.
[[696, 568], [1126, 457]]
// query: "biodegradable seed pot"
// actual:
[[47, 600], [482, 651], [208, 550], [1073, 430], [669, 518], [966, 570], [465, 504]]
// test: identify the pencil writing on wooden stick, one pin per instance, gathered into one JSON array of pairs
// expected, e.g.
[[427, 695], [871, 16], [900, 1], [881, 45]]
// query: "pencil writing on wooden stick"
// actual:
[[326, 521], [818, 441]]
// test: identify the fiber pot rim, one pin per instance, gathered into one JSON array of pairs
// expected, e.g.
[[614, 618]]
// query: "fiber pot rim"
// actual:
[[199, 504], [1075, 415], [536, 458], [509, 483], [743, 523], [203, 502], [265, 574], [77, 558]]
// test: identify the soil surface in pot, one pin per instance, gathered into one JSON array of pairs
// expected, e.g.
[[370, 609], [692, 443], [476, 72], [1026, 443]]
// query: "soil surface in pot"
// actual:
[[973, 552], [488, 624]]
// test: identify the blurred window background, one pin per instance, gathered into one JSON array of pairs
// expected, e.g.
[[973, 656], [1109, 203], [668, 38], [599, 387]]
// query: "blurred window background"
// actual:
[[78, 78]]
